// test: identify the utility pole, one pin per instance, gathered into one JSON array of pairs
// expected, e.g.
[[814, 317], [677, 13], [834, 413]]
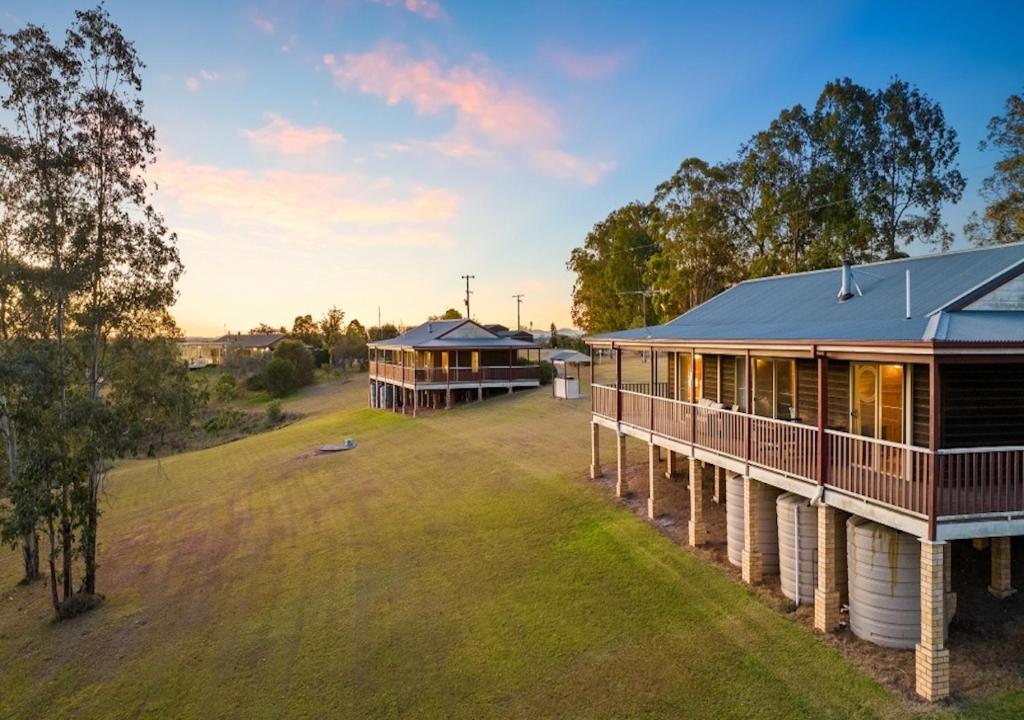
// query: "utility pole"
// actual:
[[469, 292], [519, 303], [644, 296]]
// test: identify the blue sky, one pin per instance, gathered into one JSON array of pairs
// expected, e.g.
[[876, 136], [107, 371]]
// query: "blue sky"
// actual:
[[366, 154]]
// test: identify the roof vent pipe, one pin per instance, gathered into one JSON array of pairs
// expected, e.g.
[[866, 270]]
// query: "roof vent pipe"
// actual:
[[846, 289], [908, 294]]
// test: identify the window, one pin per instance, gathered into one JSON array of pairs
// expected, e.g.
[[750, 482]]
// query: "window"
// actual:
[[683, 376], [877, 401], [741, 383], [476, 360], [775, 388], [698, 378]]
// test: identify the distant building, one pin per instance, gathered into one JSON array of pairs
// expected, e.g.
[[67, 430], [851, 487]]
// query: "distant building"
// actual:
[[442, 361], [199, 351]]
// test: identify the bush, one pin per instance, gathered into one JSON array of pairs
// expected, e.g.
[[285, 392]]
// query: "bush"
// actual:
[[547, 372], [226, 387], [256, 382], [301, 360], [280, 377], [224, 420], [274, 412]]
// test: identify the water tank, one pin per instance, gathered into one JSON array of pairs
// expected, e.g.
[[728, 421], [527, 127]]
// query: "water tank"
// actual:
[[798, 547], [734, 517], [884, 567], [768, 535]]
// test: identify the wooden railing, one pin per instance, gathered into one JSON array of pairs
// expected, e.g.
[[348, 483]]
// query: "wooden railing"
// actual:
[[453, 374], [787, 446], [912, 479], [898, 475], [980, 480]]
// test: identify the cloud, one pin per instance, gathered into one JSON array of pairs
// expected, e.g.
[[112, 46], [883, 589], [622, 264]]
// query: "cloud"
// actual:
[[579, 66], [303, 208], [261, 23], [195, 82], [424, 8], [485, 105], [283, 137]]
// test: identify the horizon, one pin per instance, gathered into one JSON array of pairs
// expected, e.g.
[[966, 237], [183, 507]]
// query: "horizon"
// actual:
[[367, 154]]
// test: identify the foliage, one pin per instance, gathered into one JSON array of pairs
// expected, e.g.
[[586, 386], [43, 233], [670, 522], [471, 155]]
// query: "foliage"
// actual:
[[87, 270], [225, 419], [280, 377], [449, 314], [275, 415], [614, 261], [307, 330], [352, 346], [264, 329], [547, 372], [226, 387], [330, 328], [860, 175], [295, 354], [1003, 218], [384, 332]]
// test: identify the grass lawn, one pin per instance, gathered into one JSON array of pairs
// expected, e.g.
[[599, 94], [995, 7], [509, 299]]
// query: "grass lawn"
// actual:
[[454, 566]]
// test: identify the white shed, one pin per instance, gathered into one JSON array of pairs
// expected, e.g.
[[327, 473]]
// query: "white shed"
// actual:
[[566, 384]]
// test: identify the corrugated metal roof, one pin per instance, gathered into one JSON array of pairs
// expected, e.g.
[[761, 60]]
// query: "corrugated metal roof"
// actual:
[[252, 340], [805, 306], [428, 336]]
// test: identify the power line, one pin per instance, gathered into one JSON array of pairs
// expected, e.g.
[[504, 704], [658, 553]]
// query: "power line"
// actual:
[[469, 292]]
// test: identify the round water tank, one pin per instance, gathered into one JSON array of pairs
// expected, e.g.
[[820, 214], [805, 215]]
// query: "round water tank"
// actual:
[[734, 517], [768, 534], [798, 547], [884, 568]]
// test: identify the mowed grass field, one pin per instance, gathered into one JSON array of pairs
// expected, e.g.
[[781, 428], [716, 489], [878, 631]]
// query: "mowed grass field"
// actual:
[[454, 566]]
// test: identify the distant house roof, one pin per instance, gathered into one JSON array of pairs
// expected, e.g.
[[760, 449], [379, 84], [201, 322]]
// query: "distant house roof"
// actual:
[[453, 334], [947, 293], [569, 356], [252, 341]]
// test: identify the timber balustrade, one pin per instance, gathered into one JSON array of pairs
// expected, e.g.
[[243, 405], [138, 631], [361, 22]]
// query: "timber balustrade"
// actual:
[[453, 374], [959, 482]]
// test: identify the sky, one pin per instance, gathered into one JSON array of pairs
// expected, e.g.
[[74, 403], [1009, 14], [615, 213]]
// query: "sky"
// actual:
[[366, 154]]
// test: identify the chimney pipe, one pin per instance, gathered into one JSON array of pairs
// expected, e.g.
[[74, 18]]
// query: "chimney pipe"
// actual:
[[846, 288], [908, 294]]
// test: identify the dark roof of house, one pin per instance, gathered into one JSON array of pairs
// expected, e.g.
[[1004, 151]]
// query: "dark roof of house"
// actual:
[[252, 341], [437, 334], [805, 306]]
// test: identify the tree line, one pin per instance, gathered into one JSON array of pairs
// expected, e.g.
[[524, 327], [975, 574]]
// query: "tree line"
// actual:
[[859, 176], [88, 270]]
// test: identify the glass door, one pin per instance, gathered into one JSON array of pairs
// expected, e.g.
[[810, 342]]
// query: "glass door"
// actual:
[[864, 400]]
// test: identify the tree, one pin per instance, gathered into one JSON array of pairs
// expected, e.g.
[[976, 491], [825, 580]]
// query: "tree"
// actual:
[[330, 328], [353, 343], [449, 314], [1003, 218], [279, 377], [553, 340], [295, 354], [913, 169], [264, 329], [384, 332], [613, 261], [306, 329]]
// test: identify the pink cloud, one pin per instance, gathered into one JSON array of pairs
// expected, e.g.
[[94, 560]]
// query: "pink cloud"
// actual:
[[424, 8], [303, 208], [283, 137], [485, 105], [579, 66], [261, 23], [194, 83]]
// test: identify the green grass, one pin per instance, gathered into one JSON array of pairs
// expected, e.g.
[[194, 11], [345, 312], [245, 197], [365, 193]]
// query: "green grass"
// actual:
[[454, 566]]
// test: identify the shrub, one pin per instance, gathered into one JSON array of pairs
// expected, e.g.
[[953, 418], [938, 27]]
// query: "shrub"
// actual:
[[274, 412], [301, 360], [547, 372], [226, 387], [280, 377], [224, 420]]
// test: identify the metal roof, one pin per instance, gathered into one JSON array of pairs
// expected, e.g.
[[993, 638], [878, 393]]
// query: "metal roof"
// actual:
[[569, 356], [805, 306], [430, 336], [252, 340]]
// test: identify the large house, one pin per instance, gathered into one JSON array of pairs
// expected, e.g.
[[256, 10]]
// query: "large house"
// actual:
[[199, 352], [886, 400], [442, 361]]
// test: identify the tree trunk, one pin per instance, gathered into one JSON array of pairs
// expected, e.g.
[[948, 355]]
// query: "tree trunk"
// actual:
[[66, 540], [30, 555], [54, 597], [89, 533]]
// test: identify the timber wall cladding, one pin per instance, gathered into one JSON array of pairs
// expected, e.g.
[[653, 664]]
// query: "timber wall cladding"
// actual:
[[983, 405], [729, 380], [710, 377], [807, 391], [919, 397], [839, 395]]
